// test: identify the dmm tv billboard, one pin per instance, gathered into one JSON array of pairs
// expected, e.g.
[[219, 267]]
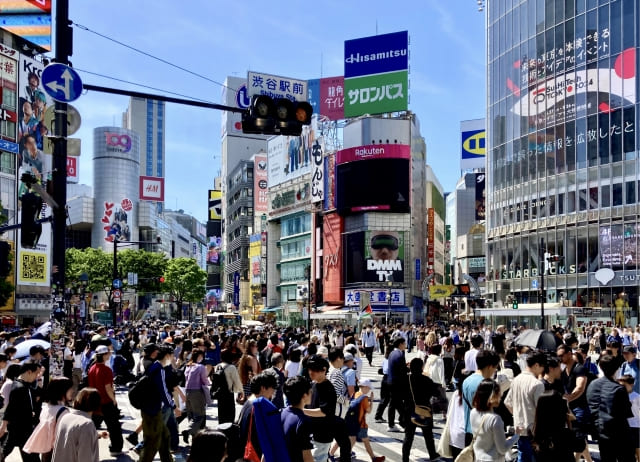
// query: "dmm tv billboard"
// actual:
[[374, 256]]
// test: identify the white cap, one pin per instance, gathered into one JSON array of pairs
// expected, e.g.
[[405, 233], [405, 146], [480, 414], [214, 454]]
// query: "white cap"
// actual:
[[366, 383], [348, 357], [101, 350]]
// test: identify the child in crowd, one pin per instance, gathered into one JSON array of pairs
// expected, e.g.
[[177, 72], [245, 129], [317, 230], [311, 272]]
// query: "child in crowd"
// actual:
[[627, 381], [356, 419]]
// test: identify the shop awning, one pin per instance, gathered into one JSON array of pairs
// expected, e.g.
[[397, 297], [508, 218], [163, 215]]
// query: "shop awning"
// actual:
[[271, 310], [326, 308], [394, 309]]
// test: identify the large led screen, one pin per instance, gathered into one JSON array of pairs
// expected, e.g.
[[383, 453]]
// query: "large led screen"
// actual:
[[373, 185], [374, 256]]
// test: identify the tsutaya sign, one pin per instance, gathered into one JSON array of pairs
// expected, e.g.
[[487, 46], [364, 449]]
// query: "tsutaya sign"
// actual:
[[533, 272]]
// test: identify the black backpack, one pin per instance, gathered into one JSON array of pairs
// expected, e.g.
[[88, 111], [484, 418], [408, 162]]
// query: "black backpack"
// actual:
[[142, 392], [219, 385]]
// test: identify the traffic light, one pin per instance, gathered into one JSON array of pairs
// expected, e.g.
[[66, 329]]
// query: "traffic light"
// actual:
[[30, 229], [5, 265], [161, 279], [282, 116], [515, 304]]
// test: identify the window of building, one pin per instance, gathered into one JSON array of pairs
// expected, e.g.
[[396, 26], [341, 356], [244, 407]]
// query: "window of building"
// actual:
[[630, 192], [617, 194], [605, 196], [9, 98]]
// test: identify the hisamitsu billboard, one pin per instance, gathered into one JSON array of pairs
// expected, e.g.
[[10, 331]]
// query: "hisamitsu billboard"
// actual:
[[376, 54]]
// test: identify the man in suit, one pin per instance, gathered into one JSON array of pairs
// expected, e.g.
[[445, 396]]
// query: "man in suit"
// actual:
[[398, 381]]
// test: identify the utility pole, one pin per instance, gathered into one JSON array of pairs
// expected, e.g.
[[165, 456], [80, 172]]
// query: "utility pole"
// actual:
[[64, 45]]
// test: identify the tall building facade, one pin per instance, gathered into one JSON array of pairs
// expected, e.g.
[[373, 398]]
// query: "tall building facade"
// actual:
[[563, 162], [147, 118]]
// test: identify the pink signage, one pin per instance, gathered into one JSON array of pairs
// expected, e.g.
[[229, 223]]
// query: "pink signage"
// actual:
[[374, 151], [332, 97], [261, 203]]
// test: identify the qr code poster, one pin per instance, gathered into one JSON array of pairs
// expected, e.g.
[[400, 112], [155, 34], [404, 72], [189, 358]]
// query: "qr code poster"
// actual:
[[33, 268]]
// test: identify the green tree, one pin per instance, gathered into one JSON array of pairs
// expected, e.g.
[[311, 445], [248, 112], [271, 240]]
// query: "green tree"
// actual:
[[149, 266], [6, 287], [98, 265], [185, 281]]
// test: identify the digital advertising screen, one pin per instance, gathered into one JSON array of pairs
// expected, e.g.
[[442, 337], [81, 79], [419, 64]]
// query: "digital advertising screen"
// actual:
[[373, 185]]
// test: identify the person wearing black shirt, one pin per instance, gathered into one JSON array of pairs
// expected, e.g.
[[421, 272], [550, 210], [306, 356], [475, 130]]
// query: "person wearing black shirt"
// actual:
[[22, 413], [322, 408], [574, 380]]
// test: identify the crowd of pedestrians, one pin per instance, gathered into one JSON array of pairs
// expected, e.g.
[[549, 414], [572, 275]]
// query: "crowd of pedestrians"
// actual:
[[304, 398]]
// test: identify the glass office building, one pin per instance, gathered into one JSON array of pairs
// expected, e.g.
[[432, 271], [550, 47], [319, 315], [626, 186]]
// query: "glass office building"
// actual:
[[563, 168]]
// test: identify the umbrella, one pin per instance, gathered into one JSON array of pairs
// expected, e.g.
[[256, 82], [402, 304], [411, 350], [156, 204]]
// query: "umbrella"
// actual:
[[540, 339], [22, 348], [42, 331]]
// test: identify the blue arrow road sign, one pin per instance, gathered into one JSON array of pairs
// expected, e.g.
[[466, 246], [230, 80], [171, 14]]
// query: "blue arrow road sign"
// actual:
[[117, 284], [534, 283], [61, 82]]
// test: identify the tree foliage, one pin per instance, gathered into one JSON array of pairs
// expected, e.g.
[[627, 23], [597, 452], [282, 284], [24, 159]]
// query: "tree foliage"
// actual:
[[185, 281], [98, 265]]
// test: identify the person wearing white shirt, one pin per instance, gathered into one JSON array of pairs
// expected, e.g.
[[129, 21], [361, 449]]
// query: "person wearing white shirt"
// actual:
[[522, 400], [368, 339], [470, 356]]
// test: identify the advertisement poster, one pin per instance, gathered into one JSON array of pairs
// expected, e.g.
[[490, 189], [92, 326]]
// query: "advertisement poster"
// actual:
[[330, 181], [115, 220], [618, 245], [215, 204], [332, 225], [384, 254], [376, 71], [33, 264], [373, 151], [290, 156], [480, 197], [326, 97]]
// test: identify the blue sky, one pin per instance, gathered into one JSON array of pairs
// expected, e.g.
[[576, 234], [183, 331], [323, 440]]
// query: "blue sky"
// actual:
[[291, 38]]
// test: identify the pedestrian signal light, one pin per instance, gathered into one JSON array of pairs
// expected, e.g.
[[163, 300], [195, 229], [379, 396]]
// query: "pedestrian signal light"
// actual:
[[29, 215], [515, 304], [161, 279]]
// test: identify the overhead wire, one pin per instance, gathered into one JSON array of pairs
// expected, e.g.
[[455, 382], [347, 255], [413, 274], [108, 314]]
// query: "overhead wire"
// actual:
[[149, 55], [143, 85]]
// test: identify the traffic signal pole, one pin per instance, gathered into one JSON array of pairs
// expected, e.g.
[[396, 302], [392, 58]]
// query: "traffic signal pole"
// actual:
[[63, 35]]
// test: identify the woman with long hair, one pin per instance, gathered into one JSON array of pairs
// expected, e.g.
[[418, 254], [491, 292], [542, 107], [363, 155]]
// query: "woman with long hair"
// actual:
[[196, 384], [455, 419], [553, 439], [490, 442], [248, 366]]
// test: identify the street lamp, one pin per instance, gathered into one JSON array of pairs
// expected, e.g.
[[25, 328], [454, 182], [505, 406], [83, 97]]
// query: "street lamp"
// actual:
[[550, 259], [114, 310]]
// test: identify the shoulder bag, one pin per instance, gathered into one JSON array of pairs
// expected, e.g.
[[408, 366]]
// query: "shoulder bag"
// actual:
[[467, 454], [421, 415], [250, 453]]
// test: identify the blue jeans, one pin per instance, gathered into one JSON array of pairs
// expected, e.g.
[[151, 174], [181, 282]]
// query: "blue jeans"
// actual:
[[525, 450]]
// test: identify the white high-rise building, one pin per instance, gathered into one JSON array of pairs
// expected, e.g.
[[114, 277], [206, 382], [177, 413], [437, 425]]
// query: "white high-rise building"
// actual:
[[147, 118]]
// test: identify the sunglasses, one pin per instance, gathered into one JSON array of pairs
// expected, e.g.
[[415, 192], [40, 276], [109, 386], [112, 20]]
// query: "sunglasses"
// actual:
[[381, 241]]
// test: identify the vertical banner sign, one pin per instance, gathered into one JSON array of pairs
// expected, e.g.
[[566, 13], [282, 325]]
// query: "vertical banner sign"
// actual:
[[430, 240], [480, 197], [317, 171], [418, 269], [330, 181], [376, 74], [236, 290], [72, 169], [215, 204], [260, 186], [33, 264]]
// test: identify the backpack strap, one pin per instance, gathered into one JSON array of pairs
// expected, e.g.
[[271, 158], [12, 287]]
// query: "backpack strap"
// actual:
[[60, 411]]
